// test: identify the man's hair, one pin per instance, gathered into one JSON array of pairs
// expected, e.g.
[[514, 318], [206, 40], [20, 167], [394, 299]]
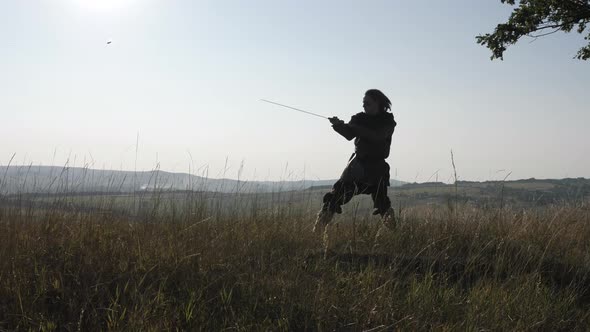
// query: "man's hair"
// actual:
[[380, 98]]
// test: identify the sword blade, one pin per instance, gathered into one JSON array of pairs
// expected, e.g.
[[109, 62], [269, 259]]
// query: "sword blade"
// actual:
[[293, 108]]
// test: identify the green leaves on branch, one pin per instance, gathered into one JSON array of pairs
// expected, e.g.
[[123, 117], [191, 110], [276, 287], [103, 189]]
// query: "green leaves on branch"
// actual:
[[538, 18]]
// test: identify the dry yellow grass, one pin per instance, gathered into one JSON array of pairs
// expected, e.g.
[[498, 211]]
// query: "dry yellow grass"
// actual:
[[442, 268]]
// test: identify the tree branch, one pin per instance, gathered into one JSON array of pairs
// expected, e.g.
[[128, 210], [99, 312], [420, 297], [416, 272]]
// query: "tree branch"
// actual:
[[544, 34], [531, 18]]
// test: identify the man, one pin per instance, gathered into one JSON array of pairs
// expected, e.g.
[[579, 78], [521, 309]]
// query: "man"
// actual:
[[367, 171]]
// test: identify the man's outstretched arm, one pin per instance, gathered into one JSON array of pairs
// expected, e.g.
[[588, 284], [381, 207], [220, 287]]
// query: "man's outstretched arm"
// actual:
[[342, 128]]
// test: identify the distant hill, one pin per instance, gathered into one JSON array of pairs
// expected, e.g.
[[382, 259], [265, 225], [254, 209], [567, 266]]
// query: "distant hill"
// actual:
[[53, 179], [517, 193]]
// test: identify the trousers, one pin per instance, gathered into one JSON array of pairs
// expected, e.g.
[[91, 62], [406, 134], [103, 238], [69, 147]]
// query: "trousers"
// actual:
[[360, 177]]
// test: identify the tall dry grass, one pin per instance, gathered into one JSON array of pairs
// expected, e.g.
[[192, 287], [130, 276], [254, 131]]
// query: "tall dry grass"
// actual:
[[199, 263]]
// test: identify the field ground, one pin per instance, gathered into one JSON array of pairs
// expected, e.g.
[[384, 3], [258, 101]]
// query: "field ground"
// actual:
[[470, 257]]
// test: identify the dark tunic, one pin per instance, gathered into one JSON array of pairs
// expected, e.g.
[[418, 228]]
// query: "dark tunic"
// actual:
[[366, 172], [366, 148], [368, 163]]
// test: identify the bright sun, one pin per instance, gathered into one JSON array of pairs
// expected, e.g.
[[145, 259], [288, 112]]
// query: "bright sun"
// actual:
[[103, 5]]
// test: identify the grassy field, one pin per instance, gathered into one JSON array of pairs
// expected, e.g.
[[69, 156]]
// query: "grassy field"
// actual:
[[207, 261]]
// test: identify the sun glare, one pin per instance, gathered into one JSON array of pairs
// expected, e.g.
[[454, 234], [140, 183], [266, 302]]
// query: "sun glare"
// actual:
[[103, 5]]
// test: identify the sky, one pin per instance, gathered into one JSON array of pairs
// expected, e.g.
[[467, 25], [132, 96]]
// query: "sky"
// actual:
[[178, 88]]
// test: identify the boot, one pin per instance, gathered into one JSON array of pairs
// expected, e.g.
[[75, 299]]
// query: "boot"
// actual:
[[323, 219], [389, 218]]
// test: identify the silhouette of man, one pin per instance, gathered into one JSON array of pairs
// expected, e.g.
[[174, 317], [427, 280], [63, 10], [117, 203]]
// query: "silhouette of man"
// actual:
[[367, 171]]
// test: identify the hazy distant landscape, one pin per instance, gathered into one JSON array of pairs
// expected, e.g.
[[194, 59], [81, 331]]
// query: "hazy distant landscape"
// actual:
[[52, 179], [135, 194]]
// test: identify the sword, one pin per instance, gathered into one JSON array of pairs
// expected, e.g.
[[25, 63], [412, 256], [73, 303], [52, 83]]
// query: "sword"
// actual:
[[293, 108]]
